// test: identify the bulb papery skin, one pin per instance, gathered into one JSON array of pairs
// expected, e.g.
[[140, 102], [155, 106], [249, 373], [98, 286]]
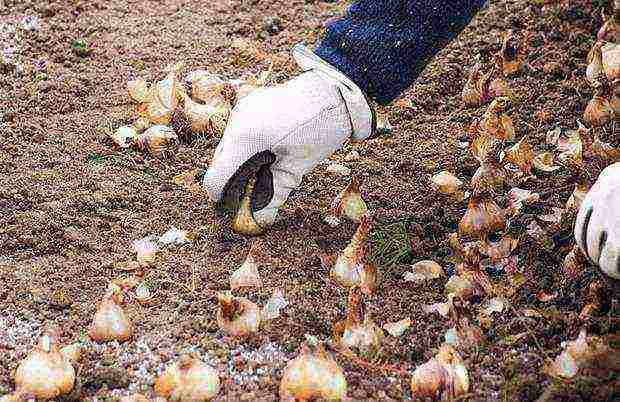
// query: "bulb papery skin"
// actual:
[[477, 87], [244, 222], [446, 183], [490, 175], [496, 123], [443, 377], [483, 216], [188, 380], [124, 136], [350, 202], [138, 90], [611, 61], [45, 373], [595, 63], [358, 331], [207, 118], [598, 112], [351, 267], [205, 86], [311, 375], [158, 140], [514, 52], [163, 98], [521, 154], [237, 316], [110, 322], [247, 274]]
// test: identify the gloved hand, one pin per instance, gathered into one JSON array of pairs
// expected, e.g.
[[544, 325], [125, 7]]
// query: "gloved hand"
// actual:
[[597, 228], [278, 134]]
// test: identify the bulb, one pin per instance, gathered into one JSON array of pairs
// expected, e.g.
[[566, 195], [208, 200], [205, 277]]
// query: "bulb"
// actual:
[[141, 124], [358, 331], [424, 270], [443, 377], [472, 280], [349, 202], [163, 97], [124, 136], [605, 150], [598, 112], [110, 322], [491, 174], [595, 63], [446, 183], [314, 374], [610, 31], [45, 373], [272, 308], [146, 251], [244, 222], [477, 87], [208, 118], [205, 86], [464, 335], [237, 316], [518, 197], [496, 123], [521, 154], [138, 90], [158, 140], [247, 274], [188, 380], [483, 216], [571, 147], [351, 267], [583, 352], [544, 162], [499, 250]]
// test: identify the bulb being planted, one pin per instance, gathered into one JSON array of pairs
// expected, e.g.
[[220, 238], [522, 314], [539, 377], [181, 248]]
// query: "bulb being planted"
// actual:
[[45, 373], [163, 97], [188, 380], [237, 316], [110, 322], [348, 203], [247, 274], [314, 374], [244, 222], [351, 267], [358, 331], [443, 377], [206, 118]]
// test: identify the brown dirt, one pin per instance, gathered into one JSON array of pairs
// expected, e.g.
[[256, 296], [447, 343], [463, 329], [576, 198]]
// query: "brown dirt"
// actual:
[[71, 204]]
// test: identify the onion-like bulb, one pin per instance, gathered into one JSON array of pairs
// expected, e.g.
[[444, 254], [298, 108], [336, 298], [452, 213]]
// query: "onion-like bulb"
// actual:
[[610, 30], [605, 150], [188, 380], [483, 216], [358, 331], [521, 154], [491, 174], [138, 90], [446, 183], [351, 267], [158, 140], [496, 122], [205, 86], [244, 222], [349, 202], [206, 118], [45, 373], [124, 136], [443, 377], [163, 98], [312, 375], [595, 62], [611, 61], [476, 89], [499, 87], [247, 274], [110, 322], [237, 316]]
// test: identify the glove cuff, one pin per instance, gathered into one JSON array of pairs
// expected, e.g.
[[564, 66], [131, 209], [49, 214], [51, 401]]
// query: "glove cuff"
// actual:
[[362, 115]]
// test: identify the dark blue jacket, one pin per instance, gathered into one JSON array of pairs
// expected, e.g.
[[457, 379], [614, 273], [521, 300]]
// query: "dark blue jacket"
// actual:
[[383, 45]]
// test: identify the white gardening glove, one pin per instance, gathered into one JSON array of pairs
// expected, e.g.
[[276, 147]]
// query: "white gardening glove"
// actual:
[[597, 228], [280, 133]]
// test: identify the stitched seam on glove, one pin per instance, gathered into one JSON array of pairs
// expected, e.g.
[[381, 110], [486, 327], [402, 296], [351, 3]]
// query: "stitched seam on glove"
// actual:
[[294, 129]]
